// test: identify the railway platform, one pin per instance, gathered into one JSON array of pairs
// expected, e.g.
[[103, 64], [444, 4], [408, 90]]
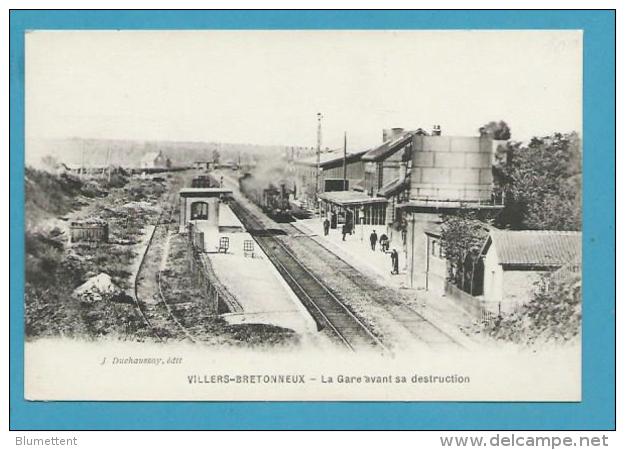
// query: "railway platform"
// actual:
[[357, 244], [253, 280], [356, 251]]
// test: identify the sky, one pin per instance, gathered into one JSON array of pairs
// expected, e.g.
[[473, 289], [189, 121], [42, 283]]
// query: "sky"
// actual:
[[266, 87]]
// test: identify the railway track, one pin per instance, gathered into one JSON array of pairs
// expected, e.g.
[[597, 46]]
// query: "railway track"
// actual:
[[152, 305], [412, 320], [329, 312], [422, 328]]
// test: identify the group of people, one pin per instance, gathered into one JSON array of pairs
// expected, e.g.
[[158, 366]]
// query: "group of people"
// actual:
[[347, 228], [384, 245], [383, 240]]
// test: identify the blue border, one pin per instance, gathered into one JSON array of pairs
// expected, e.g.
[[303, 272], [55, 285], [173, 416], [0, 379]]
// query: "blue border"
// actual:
[[595, 412]]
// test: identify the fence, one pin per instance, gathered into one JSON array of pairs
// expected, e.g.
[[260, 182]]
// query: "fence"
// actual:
[[94, 232], [216, 294], [473, 305]]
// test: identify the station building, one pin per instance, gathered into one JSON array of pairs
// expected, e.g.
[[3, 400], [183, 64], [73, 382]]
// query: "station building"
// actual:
[[200, 207], [405, 184], [387, 170], [330, 175]]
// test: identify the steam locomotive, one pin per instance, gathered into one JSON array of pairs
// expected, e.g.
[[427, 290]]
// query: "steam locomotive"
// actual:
[[273, 200]]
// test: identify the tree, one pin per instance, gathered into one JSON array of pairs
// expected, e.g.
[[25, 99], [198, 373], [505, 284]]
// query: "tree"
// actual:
[[496, 130], [542, 183], [462, 234], [50, 163], [216, 156]]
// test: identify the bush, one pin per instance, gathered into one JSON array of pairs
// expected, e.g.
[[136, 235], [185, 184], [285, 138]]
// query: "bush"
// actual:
[[118, 180], [553, 314]]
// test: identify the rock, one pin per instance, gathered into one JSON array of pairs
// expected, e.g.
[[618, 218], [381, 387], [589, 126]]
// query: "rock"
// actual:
[[139, 205], [96, 288]]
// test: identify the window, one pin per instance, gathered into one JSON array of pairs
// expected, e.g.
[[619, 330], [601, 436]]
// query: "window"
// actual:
[[199, 211], [436, 249]]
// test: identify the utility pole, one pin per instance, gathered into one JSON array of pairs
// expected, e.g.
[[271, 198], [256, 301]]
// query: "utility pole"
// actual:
[[82, 159], [108, 162], [345, 161], [317, 178], [412, 220]]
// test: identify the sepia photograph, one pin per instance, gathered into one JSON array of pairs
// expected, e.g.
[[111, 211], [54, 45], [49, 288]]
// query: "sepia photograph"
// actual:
[[303, 215]]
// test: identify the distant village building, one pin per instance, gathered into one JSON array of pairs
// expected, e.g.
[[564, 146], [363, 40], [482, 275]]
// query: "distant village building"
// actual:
[[155, 160], [204, 165]]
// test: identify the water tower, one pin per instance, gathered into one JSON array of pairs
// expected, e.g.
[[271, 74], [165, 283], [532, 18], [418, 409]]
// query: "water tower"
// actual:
[[448, 174]]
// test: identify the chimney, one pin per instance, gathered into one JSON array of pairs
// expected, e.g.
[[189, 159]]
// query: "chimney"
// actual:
[[391, 133], [436, 130]]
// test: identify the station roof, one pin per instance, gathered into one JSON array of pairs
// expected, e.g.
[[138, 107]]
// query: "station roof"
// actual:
[[330, 159], [350, 198], [447, 205], [388, 148], [434, 229], [393, 187], [541, 248], [203, 192]]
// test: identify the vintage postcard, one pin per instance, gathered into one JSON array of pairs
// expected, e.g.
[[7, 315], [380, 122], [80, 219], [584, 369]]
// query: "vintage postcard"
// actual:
[[303, 215]]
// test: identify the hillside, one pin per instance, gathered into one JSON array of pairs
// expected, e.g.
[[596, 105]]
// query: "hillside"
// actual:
[[48, 195], [128, 153]]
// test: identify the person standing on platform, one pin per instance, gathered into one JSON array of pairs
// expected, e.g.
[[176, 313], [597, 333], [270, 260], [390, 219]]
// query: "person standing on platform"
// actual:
[[395, 262], [326, 226], [373, 238], [344, 230], [384, 243]]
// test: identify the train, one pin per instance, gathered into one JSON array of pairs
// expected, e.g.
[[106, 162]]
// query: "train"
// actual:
[[204, 181], [272, 199], [275, 200]]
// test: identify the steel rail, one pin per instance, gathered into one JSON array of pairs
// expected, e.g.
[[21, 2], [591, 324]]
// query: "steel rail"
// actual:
[[246, 216], [425, 320], [136, 287], [142, 311]]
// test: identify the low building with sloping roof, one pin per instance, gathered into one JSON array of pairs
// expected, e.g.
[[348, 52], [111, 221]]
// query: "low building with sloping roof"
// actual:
[[514, 261], [353, 207]]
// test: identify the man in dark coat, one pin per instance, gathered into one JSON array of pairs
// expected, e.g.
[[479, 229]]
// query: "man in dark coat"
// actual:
[[395, 262], [326, 226], [373, 238], [344, 230]]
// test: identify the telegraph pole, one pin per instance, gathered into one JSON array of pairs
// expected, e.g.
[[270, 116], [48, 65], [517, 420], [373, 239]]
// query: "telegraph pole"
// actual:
[[108, 162], [317, 179], [345, 161], [82, 159]]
